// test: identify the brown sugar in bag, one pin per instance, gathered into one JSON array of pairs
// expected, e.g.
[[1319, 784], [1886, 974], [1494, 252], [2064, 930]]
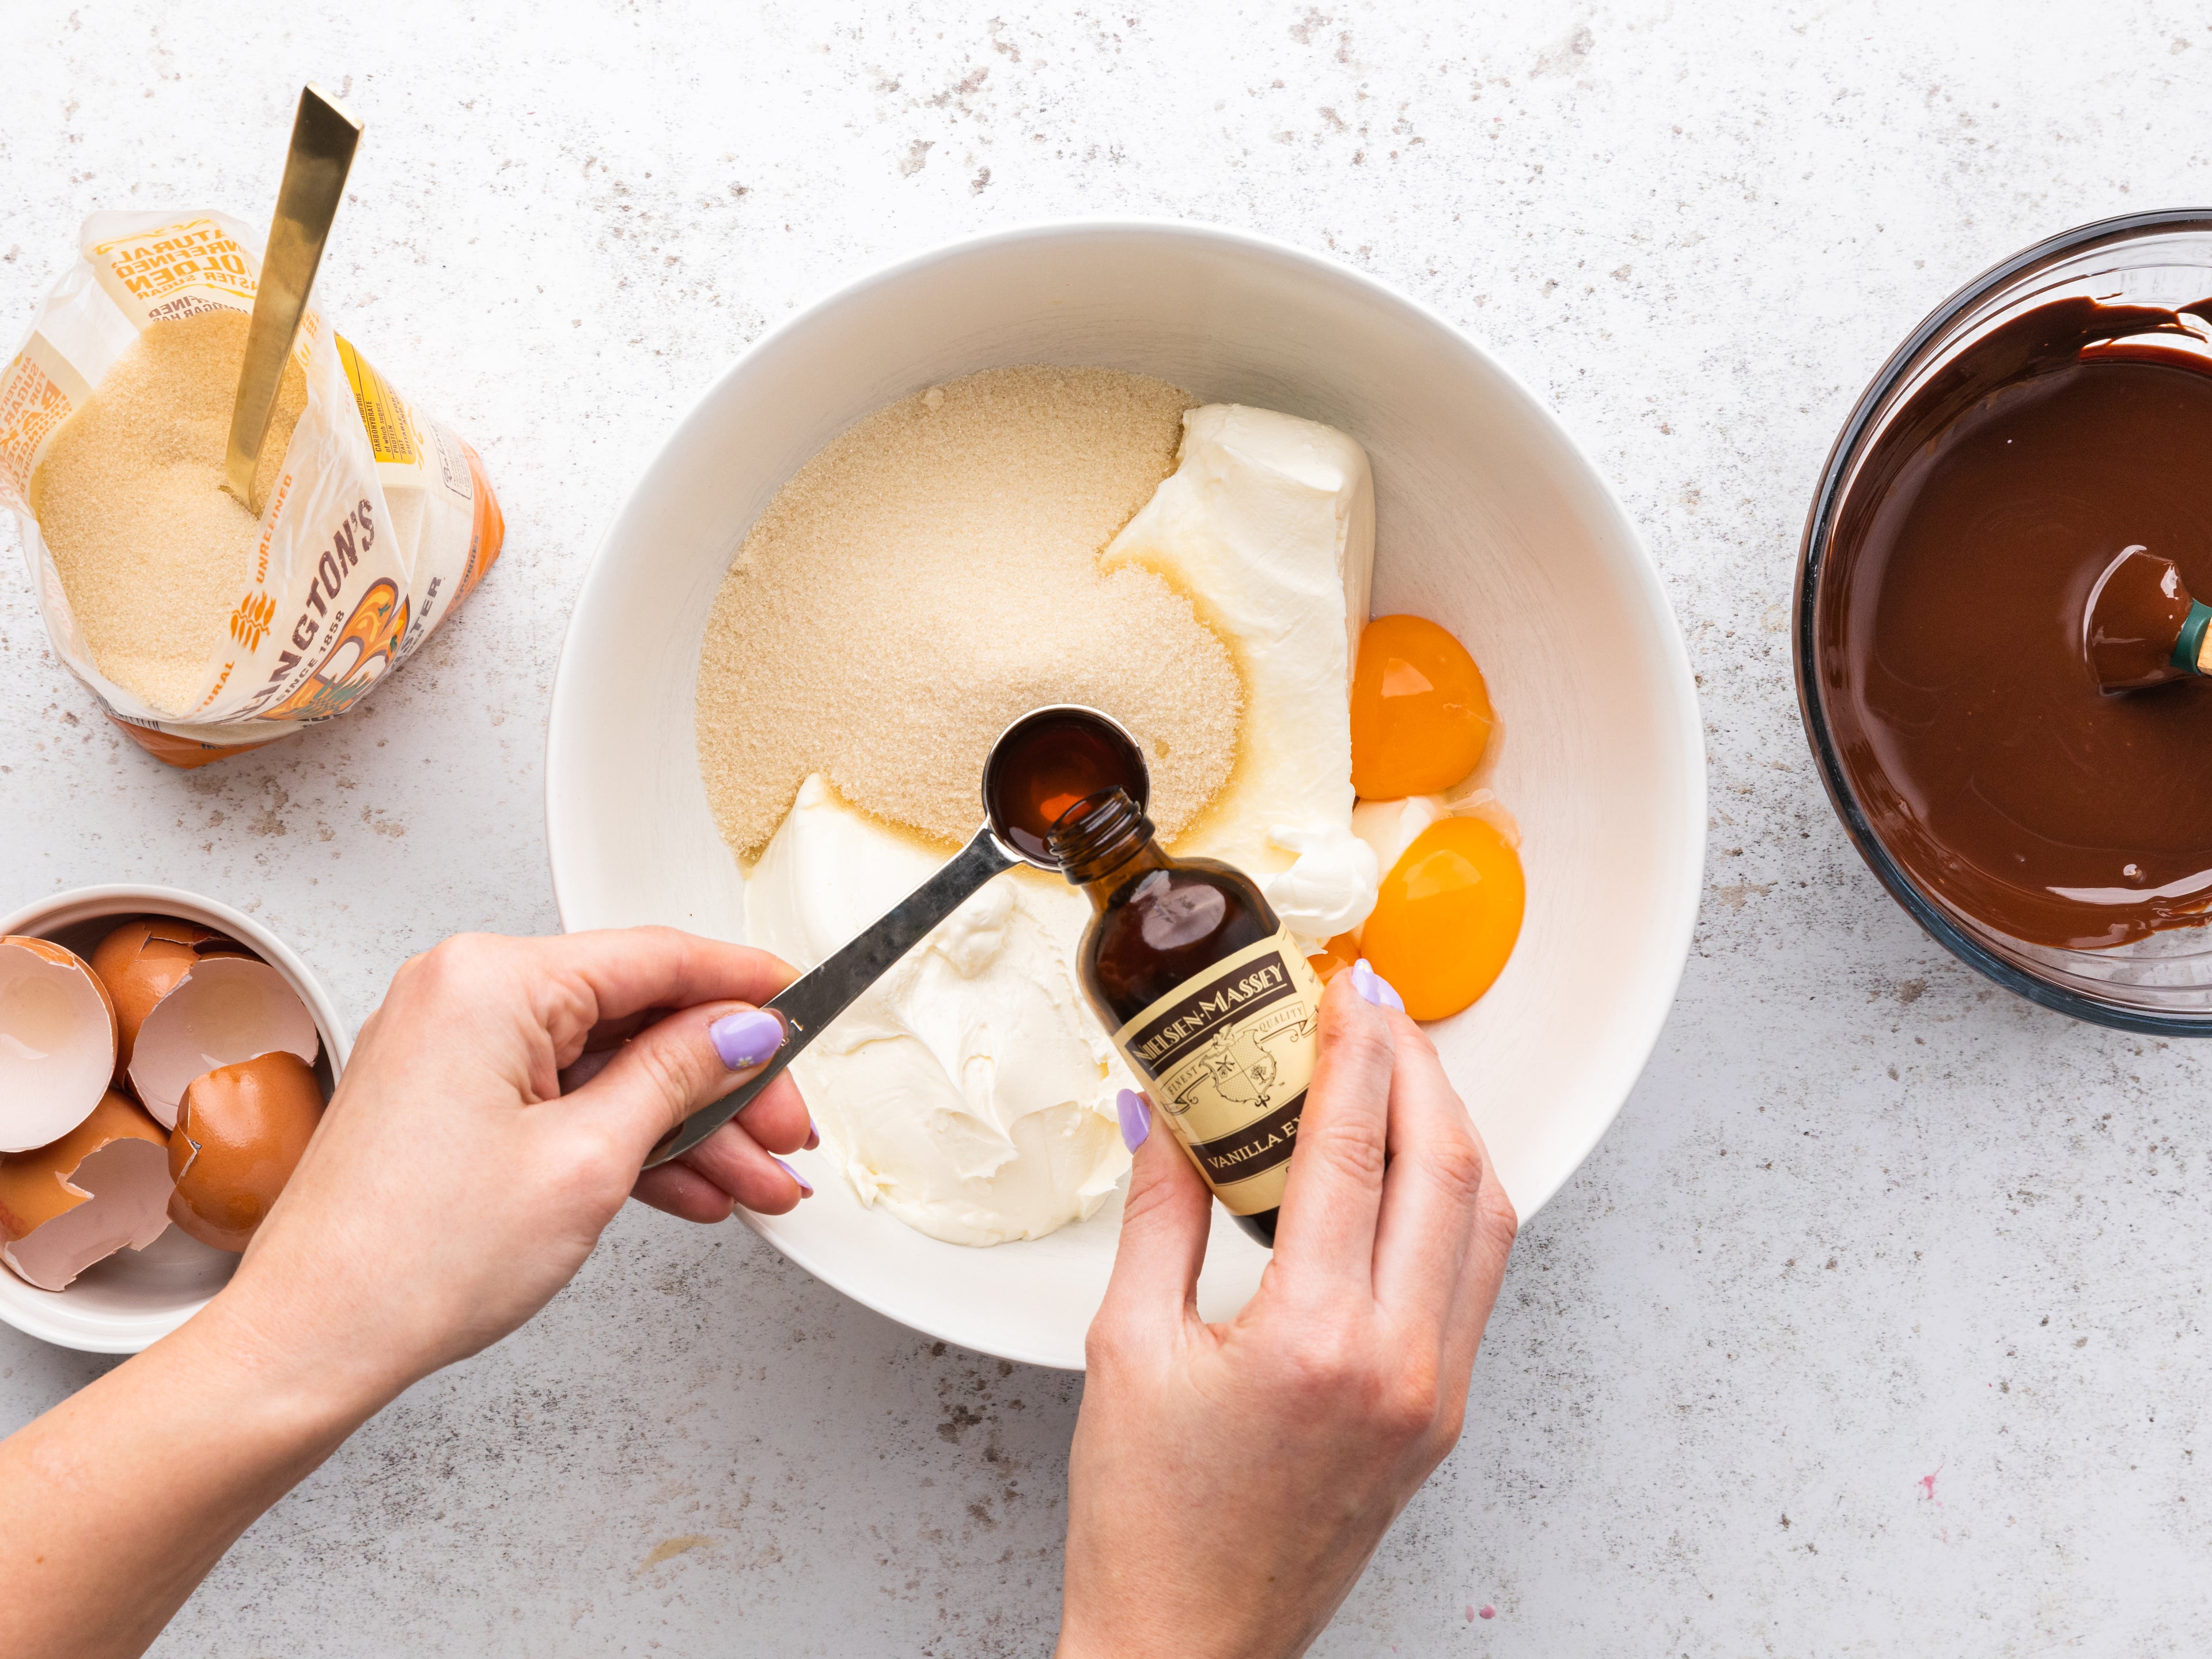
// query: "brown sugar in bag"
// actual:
[[203, 631]]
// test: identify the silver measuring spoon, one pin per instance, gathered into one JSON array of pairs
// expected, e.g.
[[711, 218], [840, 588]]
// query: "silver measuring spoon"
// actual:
[[1046, 761]]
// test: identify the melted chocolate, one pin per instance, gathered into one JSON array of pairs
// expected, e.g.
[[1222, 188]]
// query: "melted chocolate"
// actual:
[[1954, 654]]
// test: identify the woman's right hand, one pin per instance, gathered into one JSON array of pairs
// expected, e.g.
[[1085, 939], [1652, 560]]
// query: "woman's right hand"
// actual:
[[452, 1187], [1229, 1482], [463, 1171]]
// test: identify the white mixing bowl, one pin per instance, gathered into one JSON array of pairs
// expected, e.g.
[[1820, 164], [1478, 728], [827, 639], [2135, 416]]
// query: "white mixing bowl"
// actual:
[[1489, 521]]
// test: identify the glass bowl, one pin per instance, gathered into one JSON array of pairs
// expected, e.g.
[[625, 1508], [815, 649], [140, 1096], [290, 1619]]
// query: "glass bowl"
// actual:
[[2162, 984]]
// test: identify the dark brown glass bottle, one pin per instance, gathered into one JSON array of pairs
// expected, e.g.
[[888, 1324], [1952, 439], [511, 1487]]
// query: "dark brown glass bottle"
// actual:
[[1208, 998]]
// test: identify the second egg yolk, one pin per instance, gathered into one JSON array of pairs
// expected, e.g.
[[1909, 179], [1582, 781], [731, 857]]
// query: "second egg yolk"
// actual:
[[1447, 917], [1420, 713], [1334, 958]]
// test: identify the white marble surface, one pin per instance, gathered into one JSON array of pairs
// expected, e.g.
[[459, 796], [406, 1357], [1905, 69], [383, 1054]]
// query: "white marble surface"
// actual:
[[1873, 1325]]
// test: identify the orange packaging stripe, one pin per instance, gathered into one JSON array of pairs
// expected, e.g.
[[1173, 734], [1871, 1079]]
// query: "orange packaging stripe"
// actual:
[[489, 530], [184, 753]]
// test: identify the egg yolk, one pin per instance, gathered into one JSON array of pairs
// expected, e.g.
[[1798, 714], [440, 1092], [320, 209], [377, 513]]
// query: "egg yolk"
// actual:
[[1449, 913], [1420, 712], [1334, 958]]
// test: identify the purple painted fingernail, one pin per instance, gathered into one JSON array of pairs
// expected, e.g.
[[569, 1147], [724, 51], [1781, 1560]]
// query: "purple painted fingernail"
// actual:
[[1373, 987], [1136, 1118], [805, 1191], [813, 1135], [747, 1038]]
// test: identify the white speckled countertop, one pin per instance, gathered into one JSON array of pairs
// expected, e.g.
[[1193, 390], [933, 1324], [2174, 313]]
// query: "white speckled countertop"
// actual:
[[1872, 1326]]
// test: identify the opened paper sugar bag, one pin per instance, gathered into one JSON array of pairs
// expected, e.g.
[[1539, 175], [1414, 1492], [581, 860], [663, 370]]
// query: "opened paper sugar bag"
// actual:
[[204, 633]]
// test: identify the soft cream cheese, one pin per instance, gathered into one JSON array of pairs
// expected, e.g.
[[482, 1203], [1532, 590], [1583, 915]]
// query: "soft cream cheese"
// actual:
[[971, 1090], [1268, 524]]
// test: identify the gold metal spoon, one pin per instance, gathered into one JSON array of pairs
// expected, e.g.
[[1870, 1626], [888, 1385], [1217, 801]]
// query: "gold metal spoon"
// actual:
[[324, 136]]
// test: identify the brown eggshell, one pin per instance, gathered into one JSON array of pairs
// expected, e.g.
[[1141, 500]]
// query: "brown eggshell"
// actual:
[[58, 1035], [102, 1186], [140, 961], [223, 1012], [241, 1132]]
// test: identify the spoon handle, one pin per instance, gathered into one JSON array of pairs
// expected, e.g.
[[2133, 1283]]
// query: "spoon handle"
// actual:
[[324, 136], [809, 1002]]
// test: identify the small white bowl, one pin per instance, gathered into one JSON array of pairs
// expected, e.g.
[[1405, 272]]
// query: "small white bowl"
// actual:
[[1489, 521], [136, 1297]]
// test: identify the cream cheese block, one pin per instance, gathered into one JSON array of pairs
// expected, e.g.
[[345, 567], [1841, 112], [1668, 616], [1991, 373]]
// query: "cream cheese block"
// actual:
[[1267, 524]]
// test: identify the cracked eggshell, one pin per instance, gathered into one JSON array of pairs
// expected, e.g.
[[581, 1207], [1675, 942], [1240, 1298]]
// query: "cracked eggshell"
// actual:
[[241, 1132], [225, 1010], [145, 959], [58, 1037], [102, 1186]]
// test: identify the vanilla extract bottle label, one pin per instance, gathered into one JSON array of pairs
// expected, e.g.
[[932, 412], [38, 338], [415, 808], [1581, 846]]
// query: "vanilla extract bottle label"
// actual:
[[1228, 1055]]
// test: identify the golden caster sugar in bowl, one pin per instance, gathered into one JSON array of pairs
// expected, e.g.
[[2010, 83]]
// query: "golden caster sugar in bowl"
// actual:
[[205, 630]]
